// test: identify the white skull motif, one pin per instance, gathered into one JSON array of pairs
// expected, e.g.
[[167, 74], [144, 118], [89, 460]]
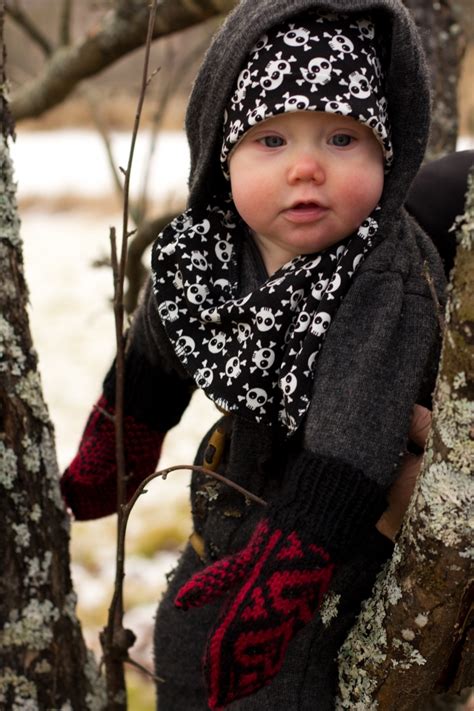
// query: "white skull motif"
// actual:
[[265, 319], [319, 288], [261, 44], [223, 251], [178, 280], [320, 323], [196, 293], [295, 298], [296, 37], [368, 228], [202, 228], [233, 368], [297, 102], [204, 377], [256, 397], [275, 73], [366, 29], [182, 223], [343, 45], [198, 260], [264, 358], [302, 322], [288, 384], [359, 86], [317, 72], [257, 114], [184, 346], [243, 332], [334, 285], [337, 106], [236, 128], [210, 315], [217, 343], [244, 80], [168, 311]]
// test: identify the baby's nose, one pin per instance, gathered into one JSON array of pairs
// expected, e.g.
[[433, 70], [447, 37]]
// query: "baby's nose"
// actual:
[[306, 166]]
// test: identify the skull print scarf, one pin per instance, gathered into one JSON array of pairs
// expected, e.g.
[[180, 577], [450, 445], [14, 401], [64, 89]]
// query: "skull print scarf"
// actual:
[[255, 355]]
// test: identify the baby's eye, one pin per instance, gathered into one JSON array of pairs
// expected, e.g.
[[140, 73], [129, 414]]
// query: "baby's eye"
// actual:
[[341, 140], [272, 141]]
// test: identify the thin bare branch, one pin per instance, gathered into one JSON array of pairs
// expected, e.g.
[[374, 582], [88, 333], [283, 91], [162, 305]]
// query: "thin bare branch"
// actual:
[[25, 23], [143, 669], [115, 639], [121, 31], [65, 22]]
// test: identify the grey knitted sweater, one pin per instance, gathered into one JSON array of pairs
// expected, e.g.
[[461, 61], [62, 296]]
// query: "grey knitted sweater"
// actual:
[[379, 358]]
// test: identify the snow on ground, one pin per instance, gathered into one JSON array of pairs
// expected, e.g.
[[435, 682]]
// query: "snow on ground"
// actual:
[[75, 162], [73, 332]]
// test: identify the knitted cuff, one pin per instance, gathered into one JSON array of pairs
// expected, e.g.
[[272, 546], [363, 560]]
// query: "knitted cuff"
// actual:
[[151, 395], [328, 501]]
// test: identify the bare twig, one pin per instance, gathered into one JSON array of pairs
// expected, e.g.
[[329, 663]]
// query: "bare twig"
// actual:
[[65, 23], [115, 639], [25, 23], [146, 671]]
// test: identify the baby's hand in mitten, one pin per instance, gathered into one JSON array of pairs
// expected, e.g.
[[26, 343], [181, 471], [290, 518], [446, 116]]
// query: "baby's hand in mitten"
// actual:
[[278, 581]]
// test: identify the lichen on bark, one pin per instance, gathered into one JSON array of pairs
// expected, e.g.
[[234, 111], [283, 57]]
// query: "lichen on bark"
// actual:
[[408, 641]]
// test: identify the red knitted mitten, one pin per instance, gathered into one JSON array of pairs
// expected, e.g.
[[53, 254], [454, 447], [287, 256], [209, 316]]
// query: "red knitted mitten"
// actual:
[[89, 484], [282, 582]]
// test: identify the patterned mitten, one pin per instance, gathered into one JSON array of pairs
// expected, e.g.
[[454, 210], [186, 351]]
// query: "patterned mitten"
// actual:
[[89, 484], [278, 580]]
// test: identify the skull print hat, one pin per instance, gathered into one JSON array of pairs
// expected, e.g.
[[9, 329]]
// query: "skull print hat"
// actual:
[[256, 354], [317, 62]]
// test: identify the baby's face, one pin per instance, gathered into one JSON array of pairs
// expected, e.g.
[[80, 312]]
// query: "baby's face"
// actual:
[[303, 181]]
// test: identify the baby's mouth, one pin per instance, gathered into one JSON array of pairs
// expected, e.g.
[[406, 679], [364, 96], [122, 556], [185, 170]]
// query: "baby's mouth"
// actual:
[[305, 211]]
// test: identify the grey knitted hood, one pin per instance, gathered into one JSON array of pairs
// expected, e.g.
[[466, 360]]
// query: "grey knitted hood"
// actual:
[[407, 89]]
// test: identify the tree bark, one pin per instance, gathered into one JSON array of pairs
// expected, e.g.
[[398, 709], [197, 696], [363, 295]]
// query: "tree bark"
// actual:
[[44, 663], [442, 34], [120, 31], [413, 638]]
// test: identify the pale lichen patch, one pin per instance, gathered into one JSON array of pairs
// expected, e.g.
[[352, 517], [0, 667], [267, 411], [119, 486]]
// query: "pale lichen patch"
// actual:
[[12, 358], [445, 513], [329, 608], [8, 466], [25, 697], [35, 513], [22, 535], [408, 635], [421, 620], [43, 667], [31, 627], [31, 455], [38, 571], [410, 655], [29, 390]]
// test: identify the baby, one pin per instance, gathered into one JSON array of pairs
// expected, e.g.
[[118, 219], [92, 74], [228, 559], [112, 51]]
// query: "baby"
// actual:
[[292, 292]]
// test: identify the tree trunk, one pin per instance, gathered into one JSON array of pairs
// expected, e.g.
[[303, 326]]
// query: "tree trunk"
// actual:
[[44, 663], [439, 24], [414, 637]]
